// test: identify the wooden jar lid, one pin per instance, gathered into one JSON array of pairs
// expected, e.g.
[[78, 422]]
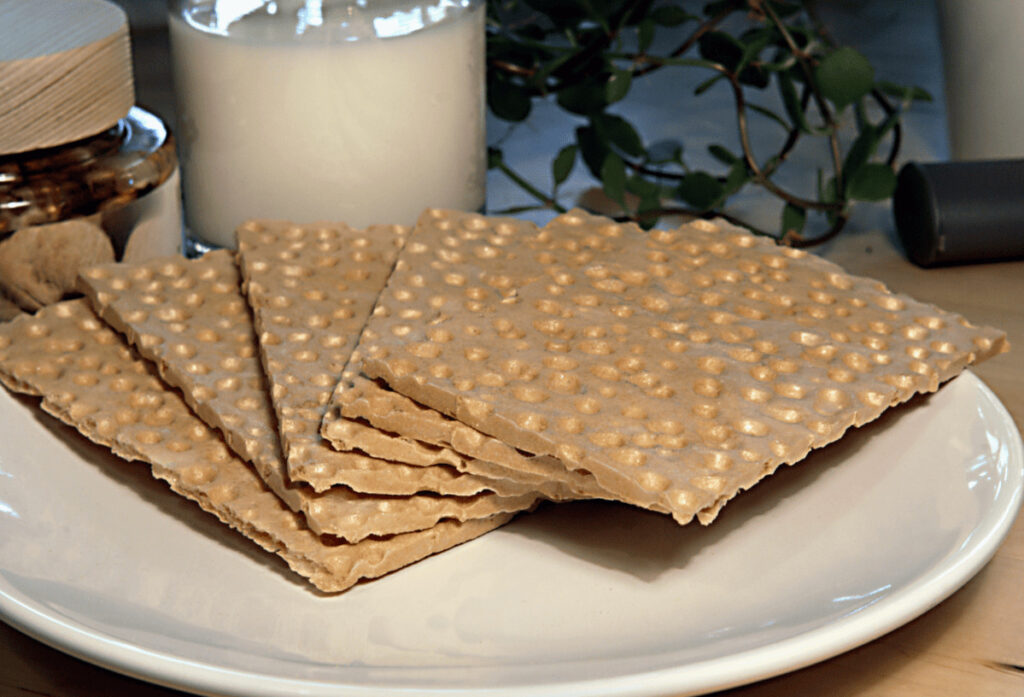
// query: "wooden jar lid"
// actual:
[[65, 71]]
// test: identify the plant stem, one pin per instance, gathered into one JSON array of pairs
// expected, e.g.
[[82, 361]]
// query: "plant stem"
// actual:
[[545, 200], [748, 154], [705, 27], [799, 241], [805, 65], [822, 30], [564, 51]]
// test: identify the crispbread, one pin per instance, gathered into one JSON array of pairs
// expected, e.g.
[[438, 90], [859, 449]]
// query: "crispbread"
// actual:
[[189, 317], [311, 288], [396, 428], [410, 430], [334, 273], [678, 366], [92, 380]]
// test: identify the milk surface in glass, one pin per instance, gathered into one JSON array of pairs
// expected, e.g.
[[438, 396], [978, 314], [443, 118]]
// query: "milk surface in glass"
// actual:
[[330, 114]]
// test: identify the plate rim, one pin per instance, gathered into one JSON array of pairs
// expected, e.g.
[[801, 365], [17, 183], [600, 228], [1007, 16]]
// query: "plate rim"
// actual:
[[758, 663]]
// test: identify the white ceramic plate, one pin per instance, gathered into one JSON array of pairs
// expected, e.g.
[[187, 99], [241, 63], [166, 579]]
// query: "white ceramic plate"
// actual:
[[100, 561]]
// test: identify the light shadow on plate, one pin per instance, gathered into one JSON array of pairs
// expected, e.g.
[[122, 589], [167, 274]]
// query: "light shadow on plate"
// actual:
[[137, 477], [646, 544], [104, 611]]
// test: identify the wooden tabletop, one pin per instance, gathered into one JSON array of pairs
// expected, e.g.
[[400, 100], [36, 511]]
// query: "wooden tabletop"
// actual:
[[971, 644]]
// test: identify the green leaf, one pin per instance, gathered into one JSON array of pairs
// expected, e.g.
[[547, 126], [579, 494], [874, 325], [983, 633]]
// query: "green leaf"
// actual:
[[631, 13], [786, 9], [755, 76], [874, 181], [688, 62], [759, 37], [643, 188], [828, 192], [613, 178], [593, 148], [790, 99], [860, 151], [563, 163], [645, 211], [645, 34], [518, 50], [584, 98], [864, 146], [550, 67], [904, 92], [719, 47], [707, 84], [561, 12], [737, 177], [700, 190], [803, 36], [619, 132], [752, 72], [713, 8], [781, 61], [757, 108], [844, 76], [508, 101], [494, 158], [528, 31], [722, 154], [665, 151], [793, 219], [670, 15], [618, 85]]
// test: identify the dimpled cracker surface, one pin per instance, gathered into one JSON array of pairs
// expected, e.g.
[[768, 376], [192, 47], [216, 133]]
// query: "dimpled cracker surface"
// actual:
[[190, 318], [678, 366], [369, 417], [89, 378], [311, 288]]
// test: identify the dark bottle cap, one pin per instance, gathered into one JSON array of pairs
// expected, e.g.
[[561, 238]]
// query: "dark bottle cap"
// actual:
[[961, 212]]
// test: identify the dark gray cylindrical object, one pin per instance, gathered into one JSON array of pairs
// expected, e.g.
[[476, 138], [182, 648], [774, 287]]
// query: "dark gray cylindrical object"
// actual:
[[961, 212]]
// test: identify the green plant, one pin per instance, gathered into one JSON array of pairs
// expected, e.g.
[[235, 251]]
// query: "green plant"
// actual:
[[776, 56]]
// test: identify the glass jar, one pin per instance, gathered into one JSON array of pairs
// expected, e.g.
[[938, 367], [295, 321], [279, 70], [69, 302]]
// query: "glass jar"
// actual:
[[125, 179], [345, 110]]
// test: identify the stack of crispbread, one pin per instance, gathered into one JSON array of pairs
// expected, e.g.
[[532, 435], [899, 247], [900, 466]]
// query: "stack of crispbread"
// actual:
[[356, 400], [668, 369]]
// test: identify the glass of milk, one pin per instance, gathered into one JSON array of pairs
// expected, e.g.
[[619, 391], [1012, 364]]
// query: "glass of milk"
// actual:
[[360, 111]]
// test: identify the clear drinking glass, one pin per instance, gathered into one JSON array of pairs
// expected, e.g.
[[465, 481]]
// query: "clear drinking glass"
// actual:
[[358, 111]]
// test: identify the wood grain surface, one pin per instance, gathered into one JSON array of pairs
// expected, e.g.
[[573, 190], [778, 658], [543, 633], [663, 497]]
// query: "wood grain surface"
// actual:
[[59, 86]]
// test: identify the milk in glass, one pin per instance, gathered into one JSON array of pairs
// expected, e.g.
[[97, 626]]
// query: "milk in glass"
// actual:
[[316, 110]]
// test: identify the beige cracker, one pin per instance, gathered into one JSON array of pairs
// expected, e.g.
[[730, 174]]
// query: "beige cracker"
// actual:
[[92, 380], [373, 430], [399, 425], [368, 417], [678, 366], [377, 432], [311, 289], [190, 318]]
